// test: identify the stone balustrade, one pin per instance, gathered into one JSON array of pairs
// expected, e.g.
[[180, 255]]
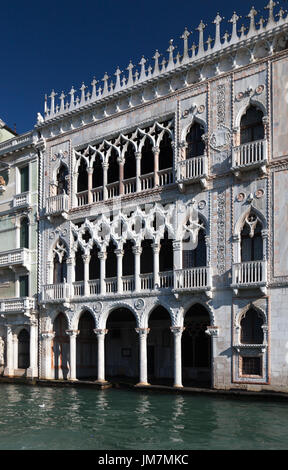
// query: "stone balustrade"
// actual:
[[248, 155], [21, 304], [57, 204], [193, 279], [249, 274], [18, 257], [192, 169], [22, 200]]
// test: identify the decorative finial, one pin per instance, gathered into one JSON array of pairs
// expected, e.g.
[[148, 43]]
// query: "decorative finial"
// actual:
[[143, 71], [185, 37], [105, 80], [171, 58], [62, 106], [233, 20], [72, 93], [118, 83], [201, 28], [156, 66], [130, 75], [270, 6], [217, 22], [82, 88], [94, 83], [252, 15]]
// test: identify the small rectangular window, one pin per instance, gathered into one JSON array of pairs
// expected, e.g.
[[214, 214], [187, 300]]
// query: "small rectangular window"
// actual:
[[24, 179], [251, 366]]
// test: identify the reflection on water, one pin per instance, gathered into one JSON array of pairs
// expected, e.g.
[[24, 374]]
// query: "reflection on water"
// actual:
[[71, 418]]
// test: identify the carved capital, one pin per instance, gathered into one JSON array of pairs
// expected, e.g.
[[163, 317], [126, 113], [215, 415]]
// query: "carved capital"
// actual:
[[72, 332], [142, 331], [98, 332], [177, 330], [212, 331]]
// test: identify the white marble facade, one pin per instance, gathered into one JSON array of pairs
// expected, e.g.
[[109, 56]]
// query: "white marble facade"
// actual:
[[162, 247]]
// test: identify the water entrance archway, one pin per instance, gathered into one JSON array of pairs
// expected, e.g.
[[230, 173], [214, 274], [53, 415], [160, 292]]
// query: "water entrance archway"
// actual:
[[122, 345], [60, 347], [196, 347], [86, 348]]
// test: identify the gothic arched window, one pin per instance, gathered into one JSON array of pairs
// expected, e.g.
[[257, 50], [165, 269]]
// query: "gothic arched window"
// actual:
[[59, 263], [62, 184], [82, 184], [251, 239], [251, 126], [251, 328], [166, 152], [196, 146]]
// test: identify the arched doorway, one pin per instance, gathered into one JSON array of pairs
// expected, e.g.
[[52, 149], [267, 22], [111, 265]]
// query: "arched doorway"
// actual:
[[160, 348], [60, 347], [23, 349], [86, 348], [122, 345], [196, 347]]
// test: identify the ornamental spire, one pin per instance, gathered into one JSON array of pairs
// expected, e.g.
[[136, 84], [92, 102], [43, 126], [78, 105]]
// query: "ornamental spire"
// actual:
[[171, 58], [156, 66], [217, 22], [185, 37], [270, 6], [233, 20], [118, 83], [130, 75], [143, 71], [201, 28], [252, 15]]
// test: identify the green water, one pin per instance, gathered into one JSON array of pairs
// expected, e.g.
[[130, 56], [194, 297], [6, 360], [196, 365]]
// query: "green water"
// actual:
[[83, 418]]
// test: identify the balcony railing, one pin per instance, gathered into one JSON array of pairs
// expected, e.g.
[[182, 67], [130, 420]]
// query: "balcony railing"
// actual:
[[147, 181], [111, 285], [192, 169], [129, 185], [112, 190], [166, 279], [193, 279], [78, 289], [97, 194], [147, 281], [249, 274], [82, 198], [51, 292], [248, 155], [18, 257], [57, 204], [128, 283], [94, 287], [165, 177], [21, 200], [20, 304]]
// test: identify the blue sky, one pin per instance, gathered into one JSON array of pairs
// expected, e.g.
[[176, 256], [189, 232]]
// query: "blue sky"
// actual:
[[59, 44]]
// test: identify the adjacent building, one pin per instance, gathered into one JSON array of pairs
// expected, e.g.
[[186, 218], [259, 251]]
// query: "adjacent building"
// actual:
[[157, 247]]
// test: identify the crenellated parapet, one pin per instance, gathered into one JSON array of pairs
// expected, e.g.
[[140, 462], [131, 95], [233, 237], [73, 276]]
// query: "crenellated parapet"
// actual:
[[259, 39]]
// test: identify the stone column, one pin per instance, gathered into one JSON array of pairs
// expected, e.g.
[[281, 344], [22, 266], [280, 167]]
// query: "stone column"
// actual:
[[121, 175], [70, 270], [143, 332], [32, 371], [86, 260], [156, 165], [177, 331], [15, 352], [212, 331], [105, 177], [138, 171], [101, 354], [47, 338], [177, 259], [119, 253], [72, 335], [74, 193], [9, 369], [102, 256], [137, 250], [90, 185], [156, 251]]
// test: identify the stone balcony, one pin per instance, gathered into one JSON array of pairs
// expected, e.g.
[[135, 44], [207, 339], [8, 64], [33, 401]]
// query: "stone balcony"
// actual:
[[16, 258], [22, 200], [249, 275], [17, 305], [57, 205], [250, 156], [193, 280], [192, 170], [111, 286]]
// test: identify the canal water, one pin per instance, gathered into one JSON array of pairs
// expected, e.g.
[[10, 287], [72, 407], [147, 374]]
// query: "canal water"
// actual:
[[82, 418]]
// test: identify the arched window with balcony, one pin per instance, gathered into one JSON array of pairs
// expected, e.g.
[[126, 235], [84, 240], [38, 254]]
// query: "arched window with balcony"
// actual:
[[130, 162], [166, 152], [97, 178], [82, 182], [59, 263], [195, 143], [62, 183], [79, 265], [251, 125], [113, 168], [194, 252], [147, 157], [251, 239]]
